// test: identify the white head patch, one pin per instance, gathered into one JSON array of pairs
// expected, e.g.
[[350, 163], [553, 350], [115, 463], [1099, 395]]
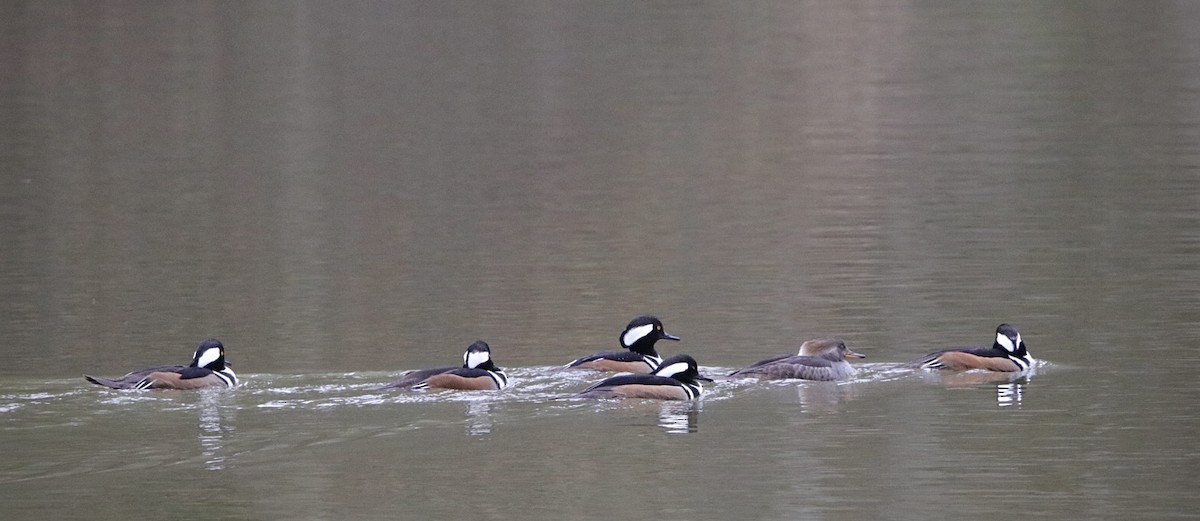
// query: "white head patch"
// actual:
[[209, 356], [1006, 343], [672, 370], [635, 334], [472, 359]]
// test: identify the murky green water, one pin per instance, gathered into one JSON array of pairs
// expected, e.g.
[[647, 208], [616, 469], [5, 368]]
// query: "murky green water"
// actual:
[[343, 191]]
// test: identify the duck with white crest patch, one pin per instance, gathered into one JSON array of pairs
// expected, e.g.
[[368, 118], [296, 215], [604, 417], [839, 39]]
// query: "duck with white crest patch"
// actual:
[[678, 378], [1007, 354], [639, 338], [478, 373], [208, 369]]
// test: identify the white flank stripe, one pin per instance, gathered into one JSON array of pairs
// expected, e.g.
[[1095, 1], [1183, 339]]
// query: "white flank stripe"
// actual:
[[635, 334], [228, 377], [1023, 363], [653, 362], [500, 378]]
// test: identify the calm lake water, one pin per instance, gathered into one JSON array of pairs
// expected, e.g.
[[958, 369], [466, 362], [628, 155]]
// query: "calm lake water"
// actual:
[[344, 191]]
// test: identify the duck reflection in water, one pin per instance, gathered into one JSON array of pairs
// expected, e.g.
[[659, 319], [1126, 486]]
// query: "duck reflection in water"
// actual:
[[1010, 387], [212, 429], [825, 396], [674, 417], [1010, 394], [679, 418], [479, 418]]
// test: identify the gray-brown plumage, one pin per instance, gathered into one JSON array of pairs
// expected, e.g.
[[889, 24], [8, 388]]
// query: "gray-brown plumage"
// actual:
[[132, 378], [179, 380], [647, 391], [962, 360], [477, 379], [412, 378], [821, 359]]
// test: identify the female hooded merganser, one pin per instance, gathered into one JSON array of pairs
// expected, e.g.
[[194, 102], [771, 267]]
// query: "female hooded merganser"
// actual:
[[1007, 354], [208, 369], [477, 373], [677, 379], [639, 338], [819, 359]]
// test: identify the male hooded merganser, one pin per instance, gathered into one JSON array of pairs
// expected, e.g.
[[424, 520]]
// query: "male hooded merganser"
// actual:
[[639, 338], [208, 369], [677, 379], [819, 359], [477, 373], [1007, 354]]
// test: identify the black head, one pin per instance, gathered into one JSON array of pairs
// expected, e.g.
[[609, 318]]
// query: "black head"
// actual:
[[1008, 339], [681, 367], [478, 355], [210, 354], [641, 334]]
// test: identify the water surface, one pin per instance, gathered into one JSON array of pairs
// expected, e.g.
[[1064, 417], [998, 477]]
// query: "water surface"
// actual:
[[341, 192]]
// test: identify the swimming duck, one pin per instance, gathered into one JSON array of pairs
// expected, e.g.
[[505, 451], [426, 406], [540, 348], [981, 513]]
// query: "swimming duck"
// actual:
[[208, 369], [641, 358], [478, 373], [1007, 354], [677, 379], [819, 359]]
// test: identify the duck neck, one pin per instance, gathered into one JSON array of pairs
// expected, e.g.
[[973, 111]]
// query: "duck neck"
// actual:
[[645, 348]]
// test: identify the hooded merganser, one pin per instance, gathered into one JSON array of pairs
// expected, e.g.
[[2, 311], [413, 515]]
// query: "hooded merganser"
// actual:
[[677, 379], [478, 373], [641, 358], [1007, 354], [819, 359], [208, 369]]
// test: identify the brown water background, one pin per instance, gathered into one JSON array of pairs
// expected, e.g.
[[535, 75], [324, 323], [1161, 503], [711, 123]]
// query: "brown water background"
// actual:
[[341, 191]]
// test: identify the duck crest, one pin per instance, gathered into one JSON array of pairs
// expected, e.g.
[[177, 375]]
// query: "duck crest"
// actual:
[[477, 354], [1008, 340], [685, 370], [638, 338], [641, 334], [210, 354]]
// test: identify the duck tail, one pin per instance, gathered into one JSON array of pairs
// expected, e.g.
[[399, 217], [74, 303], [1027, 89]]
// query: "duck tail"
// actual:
[[105, 382]]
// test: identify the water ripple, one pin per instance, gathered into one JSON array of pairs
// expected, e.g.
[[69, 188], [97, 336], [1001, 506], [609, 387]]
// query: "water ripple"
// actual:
[[533, 385]]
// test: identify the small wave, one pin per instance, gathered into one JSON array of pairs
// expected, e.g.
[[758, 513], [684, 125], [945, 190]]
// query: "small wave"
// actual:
[[532, 385]]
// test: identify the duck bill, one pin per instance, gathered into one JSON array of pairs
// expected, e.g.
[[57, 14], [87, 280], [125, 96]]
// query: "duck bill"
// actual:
[[704, 378], [852, 354], [668, 336]]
